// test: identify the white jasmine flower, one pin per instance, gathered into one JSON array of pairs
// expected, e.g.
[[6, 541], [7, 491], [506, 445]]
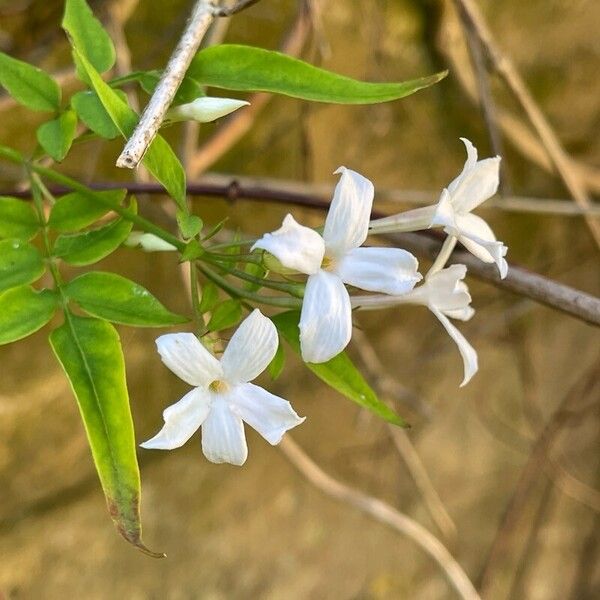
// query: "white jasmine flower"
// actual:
[[205, 109], [335, 258], [477, 182], [223, 398], [148, 242], [446, 295]]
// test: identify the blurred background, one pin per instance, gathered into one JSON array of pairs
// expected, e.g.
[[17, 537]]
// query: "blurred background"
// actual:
[[504, 472]]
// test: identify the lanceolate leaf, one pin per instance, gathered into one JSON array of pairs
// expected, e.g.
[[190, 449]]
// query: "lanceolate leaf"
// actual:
[[160, 159], [246, 68], [227, 314], [339, 372], [91, 246], [17, 219], [29, 85], [93, 114], [76, 210], [89, 35], [115, 298], [89, 351], [20, 263], [56, 136], [24, 311]]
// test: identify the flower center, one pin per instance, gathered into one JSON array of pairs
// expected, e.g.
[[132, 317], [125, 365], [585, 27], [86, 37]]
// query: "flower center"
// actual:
[[329, 263], [218, 386]]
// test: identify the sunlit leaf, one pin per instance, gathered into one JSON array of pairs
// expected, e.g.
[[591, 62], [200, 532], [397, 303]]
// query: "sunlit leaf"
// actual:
[[76, 210], [340, 372], [117, 299], [20, 263], [24, 311], [246, 68], [225, 315], [56, 136], [89, 351], [93, 115], [210, 296], [29, 85], [17, 219]]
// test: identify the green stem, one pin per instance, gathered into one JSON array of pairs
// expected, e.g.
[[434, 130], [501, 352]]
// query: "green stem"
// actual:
[[198, 316], [236, 292]]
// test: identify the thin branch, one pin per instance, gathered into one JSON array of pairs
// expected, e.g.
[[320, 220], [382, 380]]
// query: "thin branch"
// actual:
[[503, 65], [171, 78], [575, 303], [382, 512], [236, 8]]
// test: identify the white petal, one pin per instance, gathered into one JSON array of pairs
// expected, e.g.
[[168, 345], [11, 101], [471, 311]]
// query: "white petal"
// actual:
[[182, 420], [387, 270], [477, 182], [445, 215], [410, 220], [188, 359], [251, 348], [347, 223], [205, 109], [295, 246], [326, 319], [467, 351], [223, 438], [270, 415], [446, 290]]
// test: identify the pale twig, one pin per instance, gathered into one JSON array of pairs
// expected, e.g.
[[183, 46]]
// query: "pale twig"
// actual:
[[202, 16], [236, 8], [556, 295], [505, 68], [387, 387], [382, 512], [238, 124]]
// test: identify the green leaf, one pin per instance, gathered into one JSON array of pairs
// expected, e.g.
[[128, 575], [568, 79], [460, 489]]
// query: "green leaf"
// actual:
[[24, 311], [92, 113], [276, 365], [89, 351], [91, 246], [88, 35], [189, 225], [246, 68], [20, 263], [210, 297], [188, 91], [192, 251], [340, 373], [256, 270], [117, 299], [29, 85], [225, 315], [56, 136], [17, 219], [75, 211], [160, 159]]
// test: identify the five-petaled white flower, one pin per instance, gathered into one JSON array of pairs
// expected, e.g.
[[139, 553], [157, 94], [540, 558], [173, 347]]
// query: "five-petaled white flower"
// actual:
[[335, 258], [477, 182], [223, 397], [446, 295]]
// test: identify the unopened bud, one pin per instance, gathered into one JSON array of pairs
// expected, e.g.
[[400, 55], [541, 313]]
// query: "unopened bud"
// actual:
[[205, 109], [148, 242]]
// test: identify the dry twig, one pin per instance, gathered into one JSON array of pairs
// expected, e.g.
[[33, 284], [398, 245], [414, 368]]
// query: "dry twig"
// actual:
[[382, 512]]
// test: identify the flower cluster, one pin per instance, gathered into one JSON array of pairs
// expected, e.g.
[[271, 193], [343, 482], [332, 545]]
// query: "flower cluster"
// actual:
[[223, 398]]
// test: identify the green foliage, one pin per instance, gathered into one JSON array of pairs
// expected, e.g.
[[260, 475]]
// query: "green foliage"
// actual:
[[75, 211], [188, 91], [89, 351], [88, 35], [210, 297], [20, 263], [17, 219], [24, 311], [29, 85], [117, 299], [160, 159], [92, 113], [56, 136], [245, 68], [91, 246], [340, 373], [275, 367], [189, 225], [225, 315], [256, 270]]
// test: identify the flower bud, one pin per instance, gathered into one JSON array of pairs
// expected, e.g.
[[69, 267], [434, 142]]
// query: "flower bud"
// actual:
[[148, 242], [205, 109]]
